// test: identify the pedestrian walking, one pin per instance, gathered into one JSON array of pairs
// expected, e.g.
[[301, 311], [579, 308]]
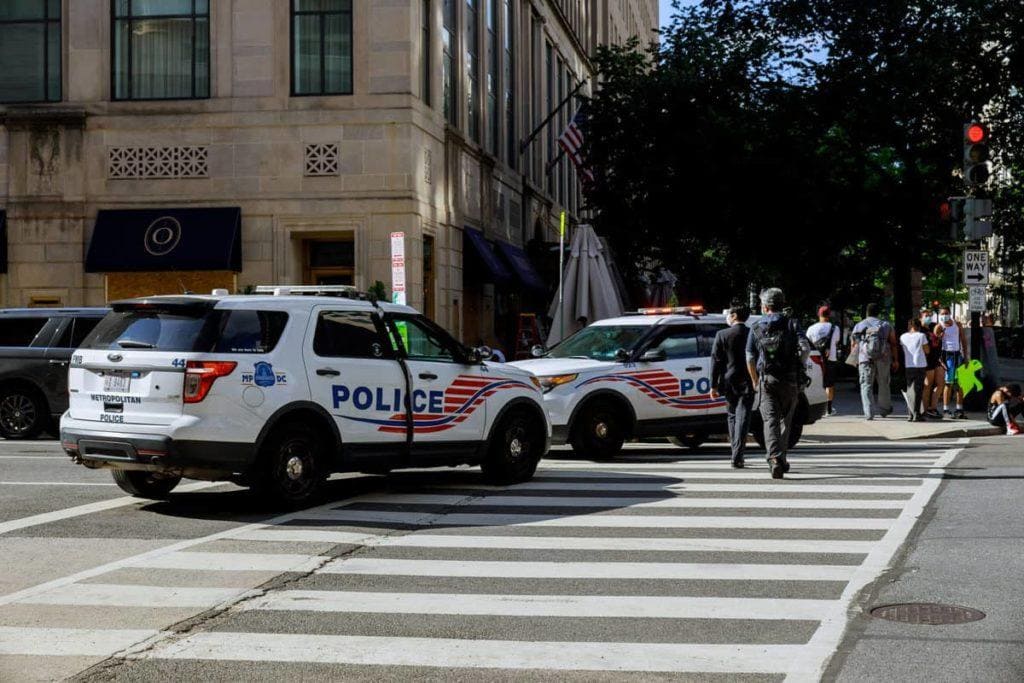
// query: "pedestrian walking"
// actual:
[[874, 342], [1004, 406], [776, 351], [914, 343], [954, 354], [934, 376], [824, 336], [730, 379]]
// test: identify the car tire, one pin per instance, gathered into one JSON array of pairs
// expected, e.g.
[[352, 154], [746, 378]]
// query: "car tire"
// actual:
[[291, 467], [23, 413], [796, 430], [690, 440], [145, 484], [599, 431], [515, 449]]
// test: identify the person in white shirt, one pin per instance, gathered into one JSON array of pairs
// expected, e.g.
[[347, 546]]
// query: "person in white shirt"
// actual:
[[954, 354], [824, 336], [914, 343]]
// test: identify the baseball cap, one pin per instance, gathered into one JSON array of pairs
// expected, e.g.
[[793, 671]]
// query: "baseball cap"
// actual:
[[824, 312]]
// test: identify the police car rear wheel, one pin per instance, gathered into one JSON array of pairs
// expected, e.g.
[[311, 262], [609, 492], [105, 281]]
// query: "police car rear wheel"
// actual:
[[515, 449], [292, 474], [145, 484], [599, 433]]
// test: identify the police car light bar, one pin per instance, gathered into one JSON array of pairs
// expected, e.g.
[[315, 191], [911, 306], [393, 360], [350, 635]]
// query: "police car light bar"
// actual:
[[672, 310], [346, 291]]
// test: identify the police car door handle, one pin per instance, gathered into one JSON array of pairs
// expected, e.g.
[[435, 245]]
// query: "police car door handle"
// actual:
[[427, 375], [694, 368], [327, 372]]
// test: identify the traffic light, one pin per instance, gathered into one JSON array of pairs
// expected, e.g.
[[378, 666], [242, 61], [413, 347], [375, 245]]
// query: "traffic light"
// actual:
[[977, 164], [952, 212]]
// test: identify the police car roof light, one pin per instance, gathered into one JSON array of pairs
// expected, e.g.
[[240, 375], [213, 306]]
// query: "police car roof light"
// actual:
[[673, 310], [345, 291]]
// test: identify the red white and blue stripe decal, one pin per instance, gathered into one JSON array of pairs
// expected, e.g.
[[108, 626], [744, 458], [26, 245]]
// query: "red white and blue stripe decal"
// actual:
[[661, 386], [461, 399]]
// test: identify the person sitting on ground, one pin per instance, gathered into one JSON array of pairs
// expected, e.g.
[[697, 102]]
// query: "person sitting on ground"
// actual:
[[1003, 408]]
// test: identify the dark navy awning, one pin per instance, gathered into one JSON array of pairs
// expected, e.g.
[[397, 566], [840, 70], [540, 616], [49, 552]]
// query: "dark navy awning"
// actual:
[[3, 241], [478, 258], [522, 267], [166, 239]]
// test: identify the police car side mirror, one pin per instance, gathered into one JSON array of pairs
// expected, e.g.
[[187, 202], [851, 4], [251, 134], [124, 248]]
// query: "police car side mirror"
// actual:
[[622, 355], [538, 351], [479, 354], [653, 356]]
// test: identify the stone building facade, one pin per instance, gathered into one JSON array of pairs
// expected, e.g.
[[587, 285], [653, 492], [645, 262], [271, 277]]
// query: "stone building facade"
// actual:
[[327, 125]]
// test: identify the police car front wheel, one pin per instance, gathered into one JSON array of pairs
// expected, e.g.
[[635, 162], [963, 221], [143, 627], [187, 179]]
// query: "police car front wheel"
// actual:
[[145, 484], [599, 433], [291, 466], [516, 447]]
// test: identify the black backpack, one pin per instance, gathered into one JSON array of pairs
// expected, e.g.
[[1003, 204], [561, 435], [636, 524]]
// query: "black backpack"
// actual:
[[824, 344], [779, 348]]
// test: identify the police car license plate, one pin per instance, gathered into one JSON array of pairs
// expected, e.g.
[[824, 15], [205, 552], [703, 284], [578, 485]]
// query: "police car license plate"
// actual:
[[117, 383]]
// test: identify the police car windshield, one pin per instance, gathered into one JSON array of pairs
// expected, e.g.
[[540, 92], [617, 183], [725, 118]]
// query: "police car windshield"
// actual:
[[599, 342]]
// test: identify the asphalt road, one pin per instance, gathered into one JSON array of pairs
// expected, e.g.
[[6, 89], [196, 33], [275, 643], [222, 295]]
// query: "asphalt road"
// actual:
[[660, 565]]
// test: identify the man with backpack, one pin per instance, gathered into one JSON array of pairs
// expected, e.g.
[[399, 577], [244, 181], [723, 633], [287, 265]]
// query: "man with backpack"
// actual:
[[874, 342], [824, 337], [776, 353]]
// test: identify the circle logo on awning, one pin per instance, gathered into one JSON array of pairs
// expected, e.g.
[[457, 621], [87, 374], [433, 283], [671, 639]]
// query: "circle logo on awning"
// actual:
[[162, 236]]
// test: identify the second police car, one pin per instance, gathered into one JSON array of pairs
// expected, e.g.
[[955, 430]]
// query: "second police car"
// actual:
[[646, 375], [277, 392]]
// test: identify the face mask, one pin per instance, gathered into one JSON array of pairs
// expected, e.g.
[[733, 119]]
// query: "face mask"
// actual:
[[945, 318]]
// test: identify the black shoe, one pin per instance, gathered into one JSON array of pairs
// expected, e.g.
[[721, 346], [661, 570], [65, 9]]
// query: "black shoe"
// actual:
[[778, 467], [737, 464], [961, 415], [785, 466]]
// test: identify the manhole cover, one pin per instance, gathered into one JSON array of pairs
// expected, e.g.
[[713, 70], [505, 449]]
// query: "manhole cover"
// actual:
[[928, 613]]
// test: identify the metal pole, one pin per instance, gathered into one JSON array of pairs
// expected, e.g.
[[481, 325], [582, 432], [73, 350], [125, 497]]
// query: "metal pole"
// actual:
[[561, 277]]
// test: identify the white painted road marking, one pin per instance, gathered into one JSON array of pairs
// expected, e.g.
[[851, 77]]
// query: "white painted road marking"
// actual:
[[233, 562], [69, 641], [614, 502], [117, 595]]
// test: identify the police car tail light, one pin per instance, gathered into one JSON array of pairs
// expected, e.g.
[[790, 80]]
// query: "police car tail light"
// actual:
[[550, 382], [200, 376]]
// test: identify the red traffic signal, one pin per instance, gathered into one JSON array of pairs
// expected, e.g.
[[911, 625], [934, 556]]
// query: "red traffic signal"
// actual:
[[976, 133]]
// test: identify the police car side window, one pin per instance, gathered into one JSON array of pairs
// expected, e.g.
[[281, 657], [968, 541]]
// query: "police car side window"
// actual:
[[349, 334], [422, 341], [680, 342], [707, 338]]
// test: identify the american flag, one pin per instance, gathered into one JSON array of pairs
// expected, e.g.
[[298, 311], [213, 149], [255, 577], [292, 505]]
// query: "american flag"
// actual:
[[571, 142]]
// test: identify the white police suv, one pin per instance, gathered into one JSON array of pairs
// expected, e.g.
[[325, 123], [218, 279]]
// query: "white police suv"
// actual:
[[646, 375], [278, 391]]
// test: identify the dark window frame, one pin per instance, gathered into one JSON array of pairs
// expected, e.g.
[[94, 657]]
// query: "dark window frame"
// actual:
[[322, 16], [383, 335], [426, 52], [457, 350], [130, 18], [449, 61], [47, 23], [473, 123]]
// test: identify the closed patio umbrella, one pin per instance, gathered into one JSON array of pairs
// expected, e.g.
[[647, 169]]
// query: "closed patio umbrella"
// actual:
[[589, 290]]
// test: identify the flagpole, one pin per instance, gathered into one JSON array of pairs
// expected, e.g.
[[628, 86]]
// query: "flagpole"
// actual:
[[561, 277], [536, 131]]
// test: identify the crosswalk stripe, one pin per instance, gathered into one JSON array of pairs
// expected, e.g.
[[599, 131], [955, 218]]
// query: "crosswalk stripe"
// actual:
[[69, 641], [236, 562], [542, 485], [421, 540], [489, 654], [609, 502], [725, 463], [589, 473], [589, 570], [726, 467], [117, 595], [603, 520], [590, 606]]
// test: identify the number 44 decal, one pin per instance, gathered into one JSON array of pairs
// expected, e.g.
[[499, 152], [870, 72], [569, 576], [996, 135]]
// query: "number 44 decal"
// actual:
[[178, 363]]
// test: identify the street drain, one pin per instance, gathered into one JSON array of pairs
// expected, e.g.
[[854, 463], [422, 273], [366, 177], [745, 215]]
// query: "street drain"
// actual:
[[929, 613]]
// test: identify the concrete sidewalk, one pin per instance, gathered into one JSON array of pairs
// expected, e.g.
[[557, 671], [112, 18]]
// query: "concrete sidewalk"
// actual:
[[850, 422]]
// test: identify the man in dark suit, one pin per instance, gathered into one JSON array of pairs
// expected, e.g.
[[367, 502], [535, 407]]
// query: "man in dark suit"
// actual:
[[730, 379]]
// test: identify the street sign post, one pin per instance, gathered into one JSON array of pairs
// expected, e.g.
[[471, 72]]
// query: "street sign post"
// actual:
[[398, 268], [975, 268], [976, 299]]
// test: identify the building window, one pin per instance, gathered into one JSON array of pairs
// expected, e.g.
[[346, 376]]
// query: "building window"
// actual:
[[511, 139], [330, 261], [161, 49], [473, 68], [321, 47], [425, 56], [428, 276], [536, 85], [549, 106], [30, 51], [448, 62], [493, 112]]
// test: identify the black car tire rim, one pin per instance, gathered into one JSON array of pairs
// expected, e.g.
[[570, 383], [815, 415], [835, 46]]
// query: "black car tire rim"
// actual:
[[517, 440], [17, 413], [296, 468]]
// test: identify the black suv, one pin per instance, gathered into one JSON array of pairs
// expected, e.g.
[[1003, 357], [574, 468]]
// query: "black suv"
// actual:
[[35, 349]]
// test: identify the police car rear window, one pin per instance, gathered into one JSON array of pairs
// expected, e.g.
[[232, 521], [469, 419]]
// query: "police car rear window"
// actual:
[[202, 331]]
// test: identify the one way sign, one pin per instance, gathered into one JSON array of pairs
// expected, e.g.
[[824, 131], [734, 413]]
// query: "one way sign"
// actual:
[[975, 267]]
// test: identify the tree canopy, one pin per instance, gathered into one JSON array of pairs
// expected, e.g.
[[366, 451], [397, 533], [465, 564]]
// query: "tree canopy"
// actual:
[[804, 143]]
